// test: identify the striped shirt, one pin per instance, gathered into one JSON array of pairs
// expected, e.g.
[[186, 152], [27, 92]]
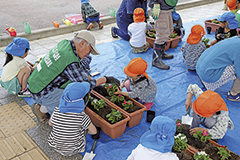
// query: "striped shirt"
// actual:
[[67, 136], [73, 72]]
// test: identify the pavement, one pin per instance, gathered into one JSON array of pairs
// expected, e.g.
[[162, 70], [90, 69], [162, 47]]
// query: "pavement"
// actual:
[[21, 137]]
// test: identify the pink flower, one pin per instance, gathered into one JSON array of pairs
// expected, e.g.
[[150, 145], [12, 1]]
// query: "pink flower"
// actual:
[[178, 124], [119, 95], [223, 147], [124, 101], [205, 133]]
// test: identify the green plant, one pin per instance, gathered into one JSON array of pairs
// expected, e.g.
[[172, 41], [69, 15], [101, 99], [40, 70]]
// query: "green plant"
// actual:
[[153, 30], [227, 35], [201, 156], [97, 104], [127, 104], [174, 35], [205, 41], [224, 152], [111, 89], [151, 34], [38, 61], [116, 98], [114, 116], [203, 136], [180, 142], [179, 125], [215, 21]]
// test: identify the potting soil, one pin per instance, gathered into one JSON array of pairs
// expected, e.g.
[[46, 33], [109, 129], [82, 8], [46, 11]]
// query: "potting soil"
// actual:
[[171, 94]]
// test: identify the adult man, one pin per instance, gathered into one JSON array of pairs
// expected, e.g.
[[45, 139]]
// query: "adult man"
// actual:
[[216, 62], [67, 62]]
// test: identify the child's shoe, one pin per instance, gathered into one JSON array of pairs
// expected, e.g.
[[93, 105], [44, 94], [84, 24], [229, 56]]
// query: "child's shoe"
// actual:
[[90, 26], [233, 98], [100, 25], [24, 93], [148, 105]]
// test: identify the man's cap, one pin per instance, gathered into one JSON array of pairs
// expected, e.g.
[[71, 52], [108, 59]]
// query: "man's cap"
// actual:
[[138, 15], [231, 4], [18, 47], [89, 37], [197, 32], [135, 67], [208, 103]]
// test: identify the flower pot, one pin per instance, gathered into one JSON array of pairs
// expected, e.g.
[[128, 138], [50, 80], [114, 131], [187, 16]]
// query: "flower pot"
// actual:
[[174, 42], [112, 130], [135, 117], [214, 26], [151, 42], [150, 115]]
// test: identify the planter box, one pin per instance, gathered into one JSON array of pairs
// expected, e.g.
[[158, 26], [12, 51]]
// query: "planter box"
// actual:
[[112, 130], [174, 42], [135, 117], [214, 26], [151, 42]]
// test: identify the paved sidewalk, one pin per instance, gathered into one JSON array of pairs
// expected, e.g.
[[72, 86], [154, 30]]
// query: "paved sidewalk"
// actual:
[[20, 136]]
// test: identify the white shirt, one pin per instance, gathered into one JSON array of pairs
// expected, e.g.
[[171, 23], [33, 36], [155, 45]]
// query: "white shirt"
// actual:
[[143, 153], [137, 32], [11, 69]]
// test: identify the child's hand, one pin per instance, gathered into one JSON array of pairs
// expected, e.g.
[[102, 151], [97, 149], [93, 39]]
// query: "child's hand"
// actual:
[[122, 85], [194, 130], [188, 103], [118, 91]]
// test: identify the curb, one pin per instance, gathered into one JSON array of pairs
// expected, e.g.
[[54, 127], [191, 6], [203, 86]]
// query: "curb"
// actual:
[[51, 31]]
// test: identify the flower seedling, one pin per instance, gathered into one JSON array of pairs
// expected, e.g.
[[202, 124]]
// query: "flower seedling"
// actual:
[[150, 34], [174, 35], [97, 104], [127, 104], [180, 142], [179, 125], [224, 152], [111, 89], [205, 41], [114, 116], [153, 30], [116, 98], [203, 136], [215, 21], [201, 156]]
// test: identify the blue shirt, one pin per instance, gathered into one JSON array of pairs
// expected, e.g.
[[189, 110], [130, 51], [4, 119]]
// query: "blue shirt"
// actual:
[[213, 61]]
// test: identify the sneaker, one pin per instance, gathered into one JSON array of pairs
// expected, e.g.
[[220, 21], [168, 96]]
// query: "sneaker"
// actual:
[[41, 117], [24, 93], [233, 98], [100, 25], [90, 26], [113, 34]]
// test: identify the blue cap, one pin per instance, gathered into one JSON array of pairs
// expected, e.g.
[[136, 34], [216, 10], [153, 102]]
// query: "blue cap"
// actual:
[[230, 18], [175, 16], [84, 1], [160, 136], [72, 98], [18, 46]]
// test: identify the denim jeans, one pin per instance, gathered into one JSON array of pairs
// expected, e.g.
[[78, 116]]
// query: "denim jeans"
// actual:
[[51, 100]]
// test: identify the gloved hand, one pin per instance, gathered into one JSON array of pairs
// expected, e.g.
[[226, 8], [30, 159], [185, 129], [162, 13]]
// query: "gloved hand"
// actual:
[[101, 90], [97, 135], [155, 11], [112, 80]]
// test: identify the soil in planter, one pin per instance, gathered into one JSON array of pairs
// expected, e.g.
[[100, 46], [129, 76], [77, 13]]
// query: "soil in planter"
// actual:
[[209, 148], [130, 110], [183, 155]]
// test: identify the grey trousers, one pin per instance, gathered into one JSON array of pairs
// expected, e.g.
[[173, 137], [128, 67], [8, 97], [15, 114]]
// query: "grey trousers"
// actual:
[[236, 86]]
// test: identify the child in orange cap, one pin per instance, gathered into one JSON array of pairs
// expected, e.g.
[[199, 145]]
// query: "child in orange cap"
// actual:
[[233, 5], [194, 47], [209, 110], [137, 32], [138, 83]]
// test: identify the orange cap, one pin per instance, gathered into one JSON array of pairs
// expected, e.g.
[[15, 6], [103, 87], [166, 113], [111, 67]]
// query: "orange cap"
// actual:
[[231, 4], [135, 67], [208, 103], [197, 32], [138, 15]]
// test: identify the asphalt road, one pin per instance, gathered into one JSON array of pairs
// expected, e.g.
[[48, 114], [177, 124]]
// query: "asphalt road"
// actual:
[[40, 13]]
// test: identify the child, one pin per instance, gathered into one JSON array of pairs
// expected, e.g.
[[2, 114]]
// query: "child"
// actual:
[[69, 122], [90, 15], [138, 84], [209, 110], [177, 23], [137, 32], [194, 47], [16, 69], [163, 24], [157, 142], [227, 27], [233, 5]]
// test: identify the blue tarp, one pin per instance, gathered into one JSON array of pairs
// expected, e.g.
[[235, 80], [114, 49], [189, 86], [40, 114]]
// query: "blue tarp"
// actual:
[[171, 94]]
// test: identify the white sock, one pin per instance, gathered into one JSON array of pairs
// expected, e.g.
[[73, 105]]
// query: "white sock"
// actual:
[[43, 109]]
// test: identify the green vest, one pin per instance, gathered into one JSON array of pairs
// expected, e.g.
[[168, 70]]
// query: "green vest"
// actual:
[[51, 66], [238, 18]]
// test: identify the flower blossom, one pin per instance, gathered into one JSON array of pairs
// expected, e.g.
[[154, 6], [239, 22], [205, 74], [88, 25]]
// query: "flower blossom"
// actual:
[[205, 133], [178, 124]]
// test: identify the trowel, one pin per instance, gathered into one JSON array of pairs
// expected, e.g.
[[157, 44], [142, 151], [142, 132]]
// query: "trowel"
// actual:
[[187, 119]]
